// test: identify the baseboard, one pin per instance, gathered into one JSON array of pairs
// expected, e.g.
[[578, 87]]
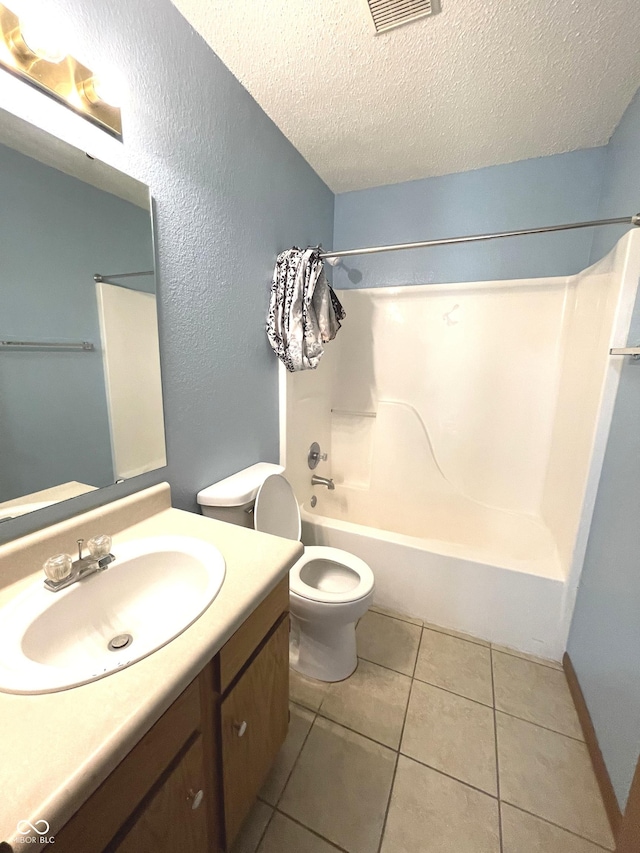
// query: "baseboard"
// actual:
[[602, 774], [628, 840]]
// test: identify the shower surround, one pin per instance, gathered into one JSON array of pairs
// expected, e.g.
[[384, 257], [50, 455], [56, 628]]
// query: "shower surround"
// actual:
[[465, 426]]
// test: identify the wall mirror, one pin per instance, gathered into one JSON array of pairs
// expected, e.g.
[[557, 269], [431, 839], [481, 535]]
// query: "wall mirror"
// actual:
[[80, 389]]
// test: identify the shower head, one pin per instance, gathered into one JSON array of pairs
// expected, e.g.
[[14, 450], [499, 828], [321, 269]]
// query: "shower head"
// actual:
[[333, 261]]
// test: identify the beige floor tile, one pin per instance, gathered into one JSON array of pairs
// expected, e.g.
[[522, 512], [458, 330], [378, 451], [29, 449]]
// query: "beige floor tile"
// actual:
[[456, 665], [523, 833], [388, 642], [458, 634], [550, 775], [252, 829], [554, 664], [430, 813], [395, 614], [451, 734], [372, 701], [535, 693], [286, 836], [306, 691], [340, 787], [299, 725]]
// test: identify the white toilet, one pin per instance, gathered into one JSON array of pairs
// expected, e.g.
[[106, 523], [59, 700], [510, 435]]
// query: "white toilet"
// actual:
[[329, 589]]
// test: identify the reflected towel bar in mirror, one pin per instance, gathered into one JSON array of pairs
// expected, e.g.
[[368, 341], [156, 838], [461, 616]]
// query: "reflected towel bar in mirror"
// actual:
[[81, 346], [107, 279]]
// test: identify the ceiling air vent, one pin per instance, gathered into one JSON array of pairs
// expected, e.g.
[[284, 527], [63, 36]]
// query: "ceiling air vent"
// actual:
[[388, 14]]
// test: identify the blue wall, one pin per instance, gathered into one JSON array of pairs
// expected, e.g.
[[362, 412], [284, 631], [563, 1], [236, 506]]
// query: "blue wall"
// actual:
[[54, 424], [544, 191], [621, 179], [604, 642], [230, 193]]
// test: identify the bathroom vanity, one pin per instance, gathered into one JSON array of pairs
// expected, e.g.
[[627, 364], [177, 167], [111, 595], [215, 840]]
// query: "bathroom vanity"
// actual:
[[190, 782], [170, 752]]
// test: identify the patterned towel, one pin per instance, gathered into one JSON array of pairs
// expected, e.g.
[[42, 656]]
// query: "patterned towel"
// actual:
[[304, 312]]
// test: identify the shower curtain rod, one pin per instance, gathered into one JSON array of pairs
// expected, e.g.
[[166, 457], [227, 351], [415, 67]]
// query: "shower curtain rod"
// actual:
[[476, 238]]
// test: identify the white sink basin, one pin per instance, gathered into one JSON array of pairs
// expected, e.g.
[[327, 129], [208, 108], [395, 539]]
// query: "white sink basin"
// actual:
[[153, 591]]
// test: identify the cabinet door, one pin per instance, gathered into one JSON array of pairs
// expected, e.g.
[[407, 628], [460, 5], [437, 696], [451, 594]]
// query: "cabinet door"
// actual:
[[255, 718], [175, 818]]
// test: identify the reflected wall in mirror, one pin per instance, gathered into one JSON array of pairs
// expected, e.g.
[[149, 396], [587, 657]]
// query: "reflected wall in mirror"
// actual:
[[80, 391]]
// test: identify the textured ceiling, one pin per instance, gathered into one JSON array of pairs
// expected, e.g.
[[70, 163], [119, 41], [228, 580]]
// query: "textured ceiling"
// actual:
[[484, 82]]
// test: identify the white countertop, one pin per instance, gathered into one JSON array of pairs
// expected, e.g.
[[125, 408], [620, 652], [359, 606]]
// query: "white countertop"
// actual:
[[57, 748]]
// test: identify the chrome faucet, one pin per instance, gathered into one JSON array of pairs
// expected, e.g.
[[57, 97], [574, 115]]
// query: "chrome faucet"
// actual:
[[322, 481], [61, 571]]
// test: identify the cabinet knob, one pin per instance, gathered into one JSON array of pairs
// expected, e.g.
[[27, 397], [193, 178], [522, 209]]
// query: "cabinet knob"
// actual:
[[195, 798], [240, 727]]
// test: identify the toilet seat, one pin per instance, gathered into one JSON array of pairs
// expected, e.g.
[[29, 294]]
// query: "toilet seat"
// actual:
[[322, 574], [330, 575]]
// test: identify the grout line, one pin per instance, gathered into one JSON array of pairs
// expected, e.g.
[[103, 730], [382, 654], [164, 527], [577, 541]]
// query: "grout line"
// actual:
[[293, 766], [304, 707], [395, 767], [539, 726], [390, 668], [514, 653], [267, 825], [453, 692], [398, 618], [495, 739], [312, 831], [458, 635], [558, 826], [356, 732], [448, 775], [388, 806], [415, 663]]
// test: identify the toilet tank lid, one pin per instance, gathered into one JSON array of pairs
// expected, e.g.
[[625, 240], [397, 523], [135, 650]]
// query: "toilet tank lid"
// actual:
[[240, 488]]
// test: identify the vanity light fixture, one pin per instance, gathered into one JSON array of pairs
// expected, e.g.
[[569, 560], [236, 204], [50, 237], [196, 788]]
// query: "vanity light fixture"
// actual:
[[28, 51]]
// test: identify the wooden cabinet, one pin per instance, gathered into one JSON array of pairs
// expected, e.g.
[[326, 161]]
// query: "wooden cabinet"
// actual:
[[212, 749], [116, 802], [254, 721], [175, 817]]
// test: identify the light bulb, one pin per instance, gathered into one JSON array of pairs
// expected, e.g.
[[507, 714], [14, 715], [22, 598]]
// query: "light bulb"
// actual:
[[106, 90], [37, 38]]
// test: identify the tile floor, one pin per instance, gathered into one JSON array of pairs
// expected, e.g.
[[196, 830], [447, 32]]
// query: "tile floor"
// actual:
[[438, 743]]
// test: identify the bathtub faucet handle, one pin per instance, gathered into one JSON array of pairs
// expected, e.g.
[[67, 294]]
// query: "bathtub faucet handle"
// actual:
[[315, 456]]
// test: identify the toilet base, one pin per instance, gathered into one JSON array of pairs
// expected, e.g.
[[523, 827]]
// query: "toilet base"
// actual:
[[326, 652]]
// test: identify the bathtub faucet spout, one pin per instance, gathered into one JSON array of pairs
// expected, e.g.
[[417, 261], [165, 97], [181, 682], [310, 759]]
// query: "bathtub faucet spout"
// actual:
[[322, 481]]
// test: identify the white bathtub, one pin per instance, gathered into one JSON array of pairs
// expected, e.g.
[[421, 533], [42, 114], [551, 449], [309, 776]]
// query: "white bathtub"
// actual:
[[465, 427], [451, 584]]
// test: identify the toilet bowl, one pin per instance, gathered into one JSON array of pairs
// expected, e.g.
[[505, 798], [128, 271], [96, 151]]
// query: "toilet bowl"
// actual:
[[329, 589]]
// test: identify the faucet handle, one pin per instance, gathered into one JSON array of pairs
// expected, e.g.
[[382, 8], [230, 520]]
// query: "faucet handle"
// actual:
[[99, 546], [58, 568], [315, 456]]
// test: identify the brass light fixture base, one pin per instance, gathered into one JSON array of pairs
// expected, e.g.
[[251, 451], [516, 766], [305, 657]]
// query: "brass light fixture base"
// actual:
[[68, 81]]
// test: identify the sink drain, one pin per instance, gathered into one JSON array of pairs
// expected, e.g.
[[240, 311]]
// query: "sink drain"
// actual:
[[120, 642]]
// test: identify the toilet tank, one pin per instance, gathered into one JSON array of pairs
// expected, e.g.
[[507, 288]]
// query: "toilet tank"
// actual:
[[232, 499]]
